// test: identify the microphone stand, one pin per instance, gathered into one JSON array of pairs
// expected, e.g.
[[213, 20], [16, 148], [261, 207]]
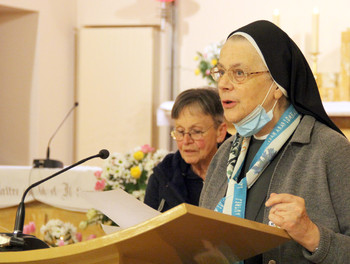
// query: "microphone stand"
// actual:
[[50, 163], [17, 241]]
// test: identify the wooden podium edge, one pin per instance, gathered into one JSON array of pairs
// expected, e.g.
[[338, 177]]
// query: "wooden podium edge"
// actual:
[[64, 252], [109, 243]]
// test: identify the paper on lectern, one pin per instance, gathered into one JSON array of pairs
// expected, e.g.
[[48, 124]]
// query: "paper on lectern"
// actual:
[[108, 229], [120, 206]]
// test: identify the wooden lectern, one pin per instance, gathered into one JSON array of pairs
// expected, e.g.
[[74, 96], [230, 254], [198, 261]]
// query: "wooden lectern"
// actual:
[[185, 234]]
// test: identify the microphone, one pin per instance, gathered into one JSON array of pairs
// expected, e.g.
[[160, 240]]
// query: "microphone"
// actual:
[[49, 163], [17, 241]]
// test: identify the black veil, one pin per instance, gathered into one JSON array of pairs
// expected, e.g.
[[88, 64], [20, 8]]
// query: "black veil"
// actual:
[[288, 68]]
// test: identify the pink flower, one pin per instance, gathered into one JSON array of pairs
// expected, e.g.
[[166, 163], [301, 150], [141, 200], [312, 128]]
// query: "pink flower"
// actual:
[[147, 148], [207, 72], [100, 185], [98, 174], [60, 243], [91, 237], [30, 228], [26, 229], [79, 236]]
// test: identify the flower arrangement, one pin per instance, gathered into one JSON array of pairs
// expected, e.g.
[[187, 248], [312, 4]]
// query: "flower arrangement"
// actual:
[[129, 172], [58, 233], [207, 60]]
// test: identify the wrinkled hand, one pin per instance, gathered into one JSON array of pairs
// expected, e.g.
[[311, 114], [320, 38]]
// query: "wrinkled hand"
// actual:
[[289, 212]]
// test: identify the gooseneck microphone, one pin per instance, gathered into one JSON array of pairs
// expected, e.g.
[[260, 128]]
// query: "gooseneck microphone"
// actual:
[[17, 241], [49, 163]]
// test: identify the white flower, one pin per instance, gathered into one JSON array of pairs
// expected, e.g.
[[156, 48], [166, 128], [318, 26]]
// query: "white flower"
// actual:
[[83, 224], [116, 169], [213, 50], [159, 155], [207, 59], [56, 230], [116, 172], [140, 194], [149, 165]]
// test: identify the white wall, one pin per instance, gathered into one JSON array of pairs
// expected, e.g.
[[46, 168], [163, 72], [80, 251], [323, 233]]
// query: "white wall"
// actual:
[[52, 88], [124, 13], [16, 75], [120, 12], [199, 23], [202, 22]]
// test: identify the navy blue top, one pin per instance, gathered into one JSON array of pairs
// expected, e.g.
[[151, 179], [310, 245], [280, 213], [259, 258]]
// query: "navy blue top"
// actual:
[[173, 182]]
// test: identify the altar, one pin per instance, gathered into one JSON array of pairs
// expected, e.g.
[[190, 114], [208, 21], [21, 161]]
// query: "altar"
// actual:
[[58, 198]]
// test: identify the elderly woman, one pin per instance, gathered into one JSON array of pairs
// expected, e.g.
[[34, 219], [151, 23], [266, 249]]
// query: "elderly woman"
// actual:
[[199, 127], [288, 165]]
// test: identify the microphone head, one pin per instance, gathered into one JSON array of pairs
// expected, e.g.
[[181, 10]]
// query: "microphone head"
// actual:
[[103, 154]]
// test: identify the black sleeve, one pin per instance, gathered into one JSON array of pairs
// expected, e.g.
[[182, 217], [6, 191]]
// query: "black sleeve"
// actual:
[[152, 193]]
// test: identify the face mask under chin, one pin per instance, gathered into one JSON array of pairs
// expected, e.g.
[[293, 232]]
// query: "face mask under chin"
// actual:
[[255, 120]]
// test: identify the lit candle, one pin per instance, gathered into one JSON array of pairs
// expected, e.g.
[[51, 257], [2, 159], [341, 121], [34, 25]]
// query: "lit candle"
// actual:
[[315, 25], [276, 17]]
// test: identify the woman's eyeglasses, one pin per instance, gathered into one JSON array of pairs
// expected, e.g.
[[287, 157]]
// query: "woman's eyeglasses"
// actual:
[[193, 133], [235, 75]]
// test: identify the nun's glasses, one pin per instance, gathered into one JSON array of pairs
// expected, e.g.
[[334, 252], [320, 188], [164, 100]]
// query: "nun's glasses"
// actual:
[[235, 75]]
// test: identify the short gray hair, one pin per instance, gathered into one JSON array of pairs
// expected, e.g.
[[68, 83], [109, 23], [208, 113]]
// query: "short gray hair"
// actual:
[[206, 98]]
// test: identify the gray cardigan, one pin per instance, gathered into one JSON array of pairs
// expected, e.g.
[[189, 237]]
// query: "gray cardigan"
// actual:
[[315, 165]]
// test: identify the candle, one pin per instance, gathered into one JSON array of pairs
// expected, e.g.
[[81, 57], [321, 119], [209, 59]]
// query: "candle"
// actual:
[[315, 25], [276, 17]]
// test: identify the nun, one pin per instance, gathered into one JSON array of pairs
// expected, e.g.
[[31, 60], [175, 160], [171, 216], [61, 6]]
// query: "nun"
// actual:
[[288, 165]]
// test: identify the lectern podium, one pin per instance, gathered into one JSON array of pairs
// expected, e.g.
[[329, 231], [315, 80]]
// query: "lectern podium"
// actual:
[[185, 234]]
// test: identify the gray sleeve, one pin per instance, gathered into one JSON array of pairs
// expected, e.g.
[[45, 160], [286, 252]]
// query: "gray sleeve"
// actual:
[[215, 183], [334, 245]]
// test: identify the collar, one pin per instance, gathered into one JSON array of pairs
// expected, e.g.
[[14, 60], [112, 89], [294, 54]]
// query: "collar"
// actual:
[[303, 132]]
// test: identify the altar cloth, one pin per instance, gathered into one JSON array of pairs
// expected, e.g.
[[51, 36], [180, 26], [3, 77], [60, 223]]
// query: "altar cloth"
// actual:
[[61, 191]]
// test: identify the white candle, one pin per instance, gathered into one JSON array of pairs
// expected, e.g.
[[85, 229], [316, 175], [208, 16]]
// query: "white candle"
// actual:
[[315, 26], [276, 17]]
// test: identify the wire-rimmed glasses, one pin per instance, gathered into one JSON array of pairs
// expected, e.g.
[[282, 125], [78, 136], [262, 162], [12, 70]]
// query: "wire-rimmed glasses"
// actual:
[[235, 75], [194, 134]]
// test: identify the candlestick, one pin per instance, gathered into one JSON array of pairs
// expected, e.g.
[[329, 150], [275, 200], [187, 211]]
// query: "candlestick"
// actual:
[[314, 56], [344, 92], [315, 28], [276, 17]]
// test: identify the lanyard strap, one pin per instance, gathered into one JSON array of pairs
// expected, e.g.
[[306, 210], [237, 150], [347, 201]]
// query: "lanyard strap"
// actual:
[[234, 202]]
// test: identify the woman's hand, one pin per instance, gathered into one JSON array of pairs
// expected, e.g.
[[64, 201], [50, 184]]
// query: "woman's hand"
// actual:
[[289, 212]]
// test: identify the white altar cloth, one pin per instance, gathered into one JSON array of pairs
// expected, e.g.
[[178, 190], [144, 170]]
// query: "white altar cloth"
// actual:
[[61, 191]]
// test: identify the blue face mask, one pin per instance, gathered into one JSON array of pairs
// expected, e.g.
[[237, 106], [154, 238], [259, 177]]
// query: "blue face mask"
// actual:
[[256, 120]]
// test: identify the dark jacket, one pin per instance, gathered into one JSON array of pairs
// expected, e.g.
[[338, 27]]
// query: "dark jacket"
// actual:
[[173, 182]]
